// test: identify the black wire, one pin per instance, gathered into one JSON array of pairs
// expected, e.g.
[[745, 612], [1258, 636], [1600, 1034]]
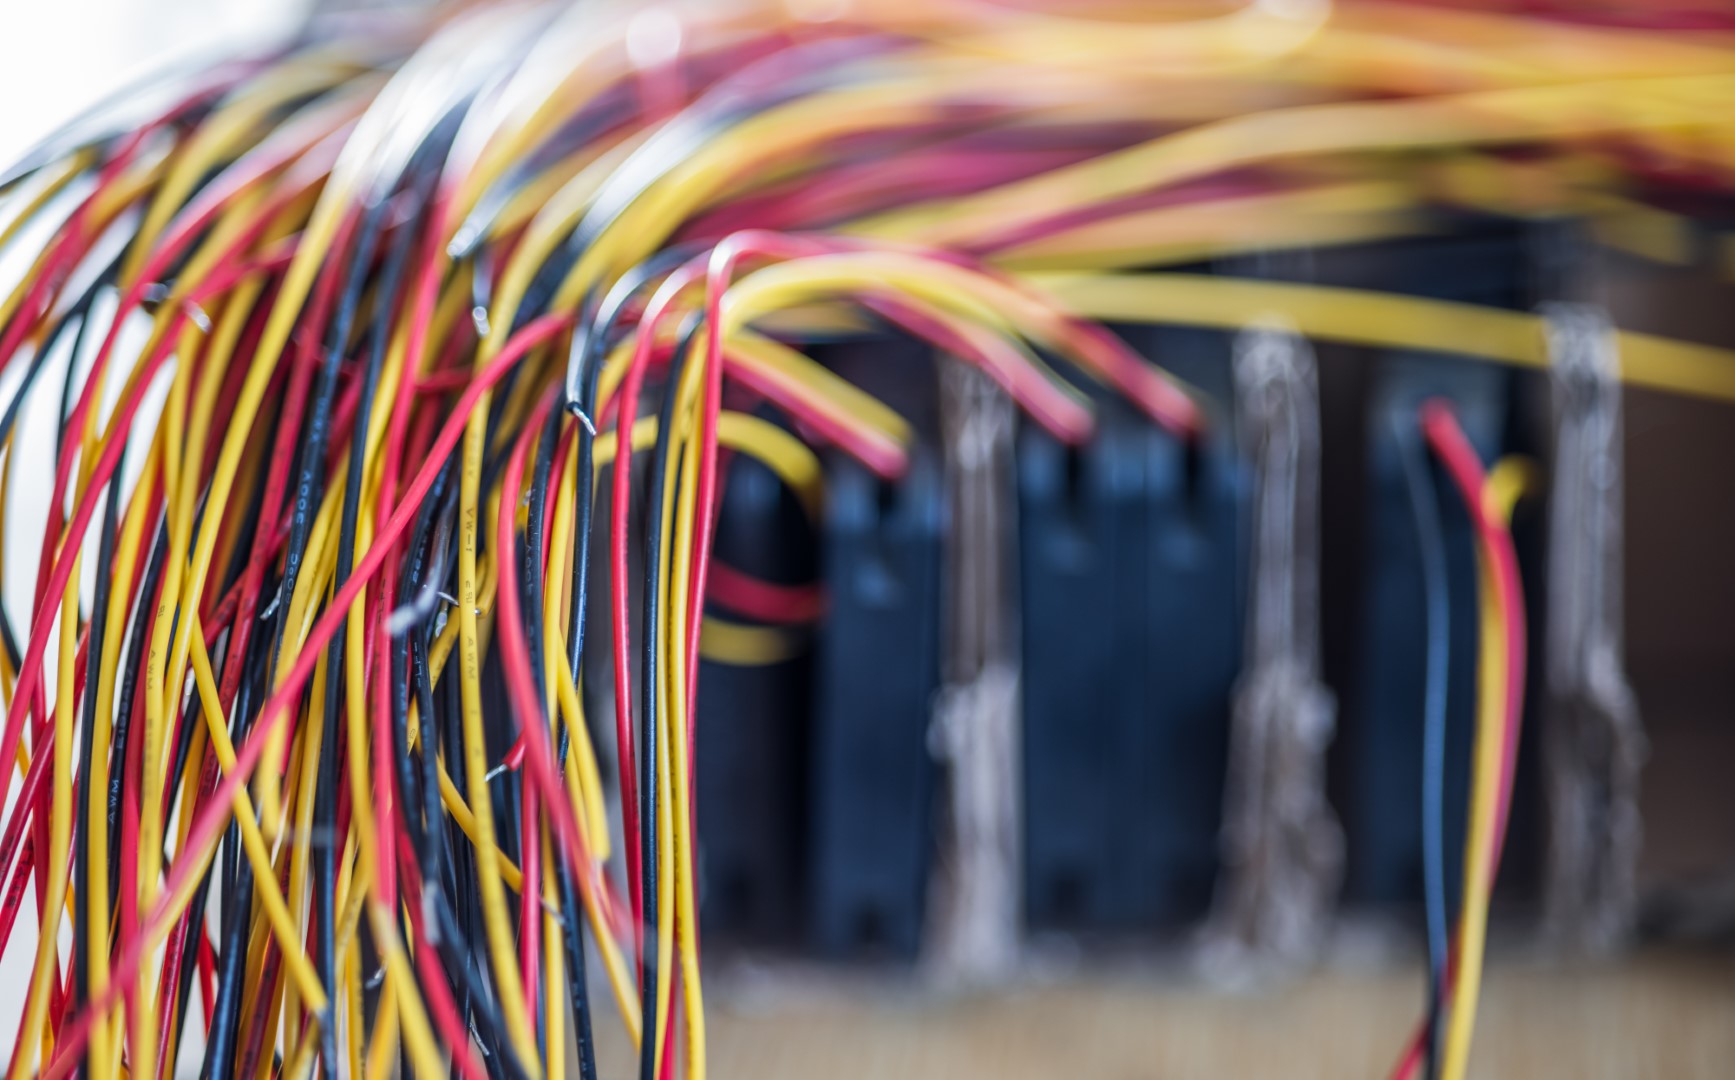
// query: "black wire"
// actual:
[[421, 556], [418, 180], [79, 312], [424, 576], [420, 806], [237, 881], [124, 704], [201, 897], [81, 936], [184, 731], [583, 374], [530, 600], [326, 783], [463, 883], [571, 914], [67, 382], [650, 696], [577, 981], [219, 1060], [247, 693], [500, 1056], [311, 448], [238, 562], [1424, 505], [429, 559], [324, 822]]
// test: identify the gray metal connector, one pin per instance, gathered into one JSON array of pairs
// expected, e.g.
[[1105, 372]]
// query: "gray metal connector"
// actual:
[[974, 937], [1282, 847], [1594, 740]]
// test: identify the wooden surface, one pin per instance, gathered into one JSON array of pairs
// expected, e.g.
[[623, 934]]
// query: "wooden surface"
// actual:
[[1669, 1015]]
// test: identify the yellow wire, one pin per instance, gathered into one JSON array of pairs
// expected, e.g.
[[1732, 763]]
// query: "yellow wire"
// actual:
[[383, 1045], [1488, 117], [1505, 484], [1321, 215], [59, 841], [1378, 319], [277, 912], [971, 296], [562, 691], [744, 645], [674, 645], [495, 917]]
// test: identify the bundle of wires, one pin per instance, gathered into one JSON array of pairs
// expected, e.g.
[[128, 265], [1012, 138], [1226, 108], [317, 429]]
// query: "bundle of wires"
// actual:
[[1441, 1042], [350, 333]]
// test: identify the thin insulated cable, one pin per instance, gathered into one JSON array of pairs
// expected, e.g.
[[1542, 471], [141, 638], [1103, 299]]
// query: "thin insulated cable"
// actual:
[[1502, 697], [419, 175], [176, 892], [1499, 712], [1430, 545], [583, 376]]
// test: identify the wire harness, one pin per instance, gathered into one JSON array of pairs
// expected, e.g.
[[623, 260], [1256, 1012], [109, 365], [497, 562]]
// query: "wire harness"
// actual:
[[380, 351]]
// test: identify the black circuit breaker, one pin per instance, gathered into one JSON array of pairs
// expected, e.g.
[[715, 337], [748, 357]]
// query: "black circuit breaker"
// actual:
[[1384, 743], [753, 731], [871, 793], [1131, 550]]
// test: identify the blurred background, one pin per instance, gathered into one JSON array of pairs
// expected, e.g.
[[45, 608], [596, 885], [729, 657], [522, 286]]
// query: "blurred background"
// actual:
[[60, 59]]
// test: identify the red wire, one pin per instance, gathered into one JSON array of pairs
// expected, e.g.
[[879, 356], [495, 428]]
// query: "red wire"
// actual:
[[222, 280], [68, 243], [530, 889], [672, 1042], [441, 1006], [207, 978], [517, 666], [626, 400], [14, 899], [213, 816], [182, 232], [521, 685], [1446, 437], [121, 423], [270, 969], [514, 758], [422, 295], [1448, 441], [763, 600]]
